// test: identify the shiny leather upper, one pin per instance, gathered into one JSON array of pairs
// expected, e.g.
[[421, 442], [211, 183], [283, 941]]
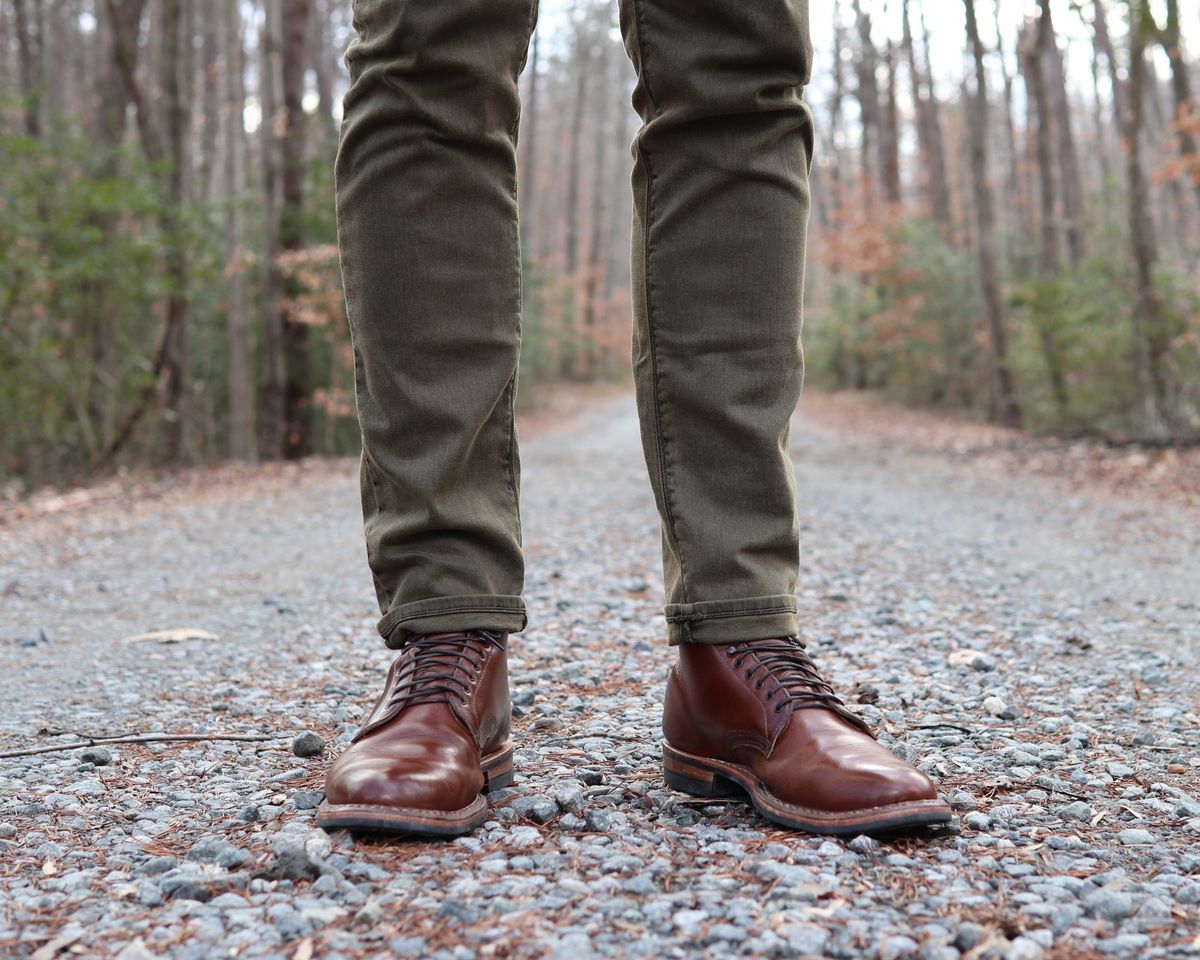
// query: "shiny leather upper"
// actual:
[[723, 703], [420, 748]]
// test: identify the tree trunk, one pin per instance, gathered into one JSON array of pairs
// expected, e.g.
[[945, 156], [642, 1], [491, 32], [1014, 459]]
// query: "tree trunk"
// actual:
[[1004, 405], [274, 364], [1149, 342], [1033, 55], [29, 68], [323, 67], [582, 65], [1019, 221], [121, 25], [941, 167], [867, 92], [297, 399], [1100, 130], [596, 246], [933, 158], [1104, 41], [242, 439], [176, 65], [1070, 176], [1186, 111], [889, 134], [210, 90]]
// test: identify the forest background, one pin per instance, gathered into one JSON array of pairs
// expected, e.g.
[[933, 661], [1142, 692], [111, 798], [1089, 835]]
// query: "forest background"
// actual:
[[1005, 222]]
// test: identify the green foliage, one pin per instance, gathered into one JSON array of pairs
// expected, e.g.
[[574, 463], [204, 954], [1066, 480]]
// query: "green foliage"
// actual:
[[910, 324], [908, 327], [1078, 323], [85, 236], [554, 344], [1082, 323], [79, 283]]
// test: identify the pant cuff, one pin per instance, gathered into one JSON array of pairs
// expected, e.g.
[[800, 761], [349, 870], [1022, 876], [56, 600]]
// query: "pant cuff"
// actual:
[[468, 612], [727, 621]]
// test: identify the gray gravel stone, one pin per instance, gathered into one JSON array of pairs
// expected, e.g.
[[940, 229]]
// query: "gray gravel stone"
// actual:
[[969, 935], [537, 807], [1076, 811], [308, 744], [184, 887], [1109, 904], [865, 846], [307, 799], [96, 756], [893, 948], [1024, 948]]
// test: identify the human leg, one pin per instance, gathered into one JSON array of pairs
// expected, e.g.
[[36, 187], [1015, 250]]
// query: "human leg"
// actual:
[[429, 240]]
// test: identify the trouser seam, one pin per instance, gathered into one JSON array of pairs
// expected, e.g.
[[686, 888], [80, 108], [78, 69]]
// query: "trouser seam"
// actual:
[[514, 133], [658, 390], [377, 506]]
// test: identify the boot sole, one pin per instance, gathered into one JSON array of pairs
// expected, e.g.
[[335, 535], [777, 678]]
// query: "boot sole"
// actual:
[[708, 777], [380, 818]]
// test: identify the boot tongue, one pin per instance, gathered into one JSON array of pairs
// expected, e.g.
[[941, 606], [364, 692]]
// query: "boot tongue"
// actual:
[[438, 656], [786, 661], [428, 677]]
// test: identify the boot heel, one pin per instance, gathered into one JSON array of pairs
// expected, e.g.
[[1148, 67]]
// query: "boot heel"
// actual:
[[498, 770], [494, 781], [680, 774]]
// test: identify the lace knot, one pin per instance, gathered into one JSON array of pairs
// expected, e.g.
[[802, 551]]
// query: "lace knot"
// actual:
[[438, 666], [798, 682]]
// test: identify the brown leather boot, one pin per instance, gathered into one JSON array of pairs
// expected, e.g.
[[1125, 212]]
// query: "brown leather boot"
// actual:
[[756, 716], [436, 741]]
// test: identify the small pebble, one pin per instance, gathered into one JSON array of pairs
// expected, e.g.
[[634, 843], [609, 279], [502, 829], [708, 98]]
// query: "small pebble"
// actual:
[[96, 756], [308, 744]]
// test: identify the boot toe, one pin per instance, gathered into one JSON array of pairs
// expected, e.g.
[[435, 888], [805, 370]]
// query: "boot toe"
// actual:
[[897, 782], [432, 778]]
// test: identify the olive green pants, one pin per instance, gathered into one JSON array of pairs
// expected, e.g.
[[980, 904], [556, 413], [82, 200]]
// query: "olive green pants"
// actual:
[[430, 246]]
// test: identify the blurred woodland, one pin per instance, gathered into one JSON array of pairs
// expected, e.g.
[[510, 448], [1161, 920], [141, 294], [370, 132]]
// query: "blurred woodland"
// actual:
[[1017, 236]]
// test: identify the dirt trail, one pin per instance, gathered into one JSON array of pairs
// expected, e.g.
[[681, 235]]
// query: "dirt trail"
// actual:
[[1029, 637]]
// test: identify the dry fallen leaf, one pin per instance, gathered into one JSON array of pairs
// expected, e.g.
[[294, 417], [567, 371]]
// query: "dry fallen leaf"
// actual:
[[304, 950], [177, 635], [828, 910], [54, 946]]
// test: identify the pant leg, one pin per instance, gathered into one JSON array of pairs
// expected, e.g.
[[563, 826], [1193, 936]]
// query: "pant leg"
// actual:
[[721, 201], [429, 240]]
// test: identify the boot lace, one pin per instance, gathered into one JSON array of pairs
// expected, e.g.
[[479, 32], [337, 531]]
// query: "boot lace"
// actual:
[[440, 666], [799, 683]]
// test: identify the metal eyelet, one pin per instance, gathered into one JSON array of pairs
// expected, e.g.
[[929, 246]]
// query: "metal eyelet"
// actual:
[[780, 705]]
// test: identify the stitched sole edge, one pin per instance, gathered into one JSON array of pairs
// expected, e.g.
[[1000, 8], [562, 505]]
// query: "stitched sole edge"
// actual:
[[381, 818], [708, 777]]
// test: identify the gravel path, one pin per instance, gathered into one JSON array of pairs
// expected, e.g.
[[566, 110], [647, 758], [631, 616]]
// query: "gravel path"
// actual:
[[1032, 644]]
